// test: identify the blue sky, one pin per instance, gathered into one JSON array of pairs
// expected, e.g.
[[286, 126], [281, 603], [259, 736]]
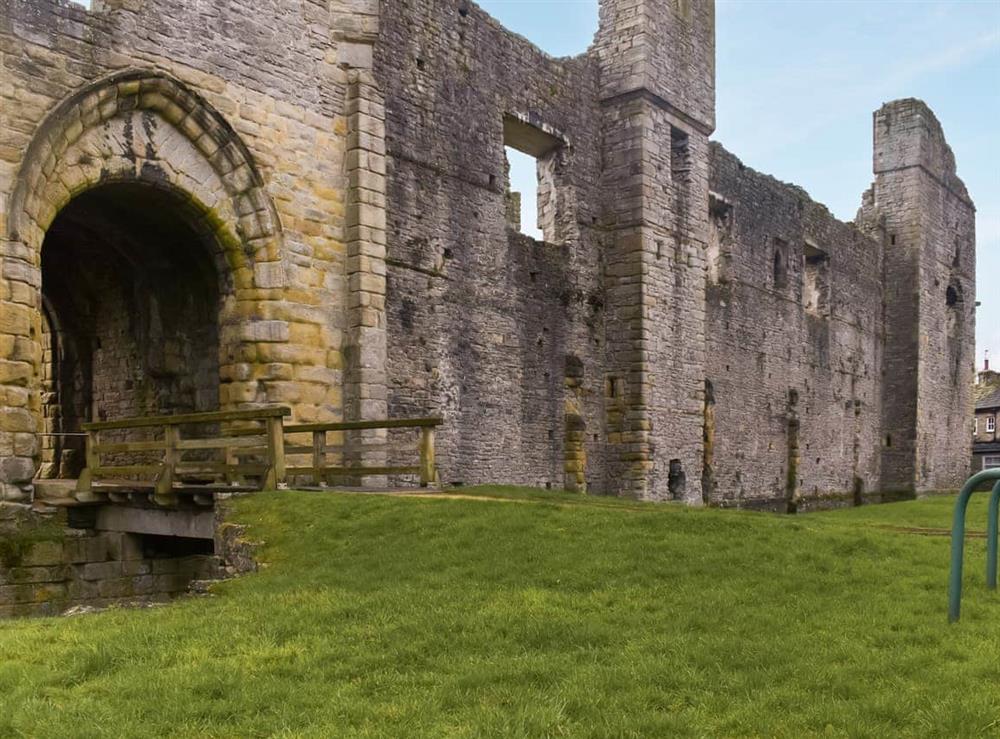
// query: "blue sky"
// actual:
[[797, 81]]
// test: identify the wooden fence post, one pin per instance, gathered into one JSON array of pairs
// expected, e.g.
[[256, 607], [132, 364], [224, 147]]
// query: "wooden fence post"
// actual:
[[85, 484], [163, 492], [319, 457], [276, 453], [232, 459], [428, 474]]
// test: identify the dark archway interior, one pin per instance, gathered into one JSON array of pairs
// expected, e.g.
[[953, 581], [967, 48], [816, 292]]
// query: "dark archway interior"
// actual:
[[131, 298]]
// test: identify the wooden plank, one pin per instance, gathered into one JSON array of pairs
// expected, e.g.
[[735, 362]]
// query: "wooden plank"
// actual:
[[389, 423], [360, 471], [130, 485], [258, 431], [408, 447], [222, 442], [407, 450], [251, 414], [213, 489], [210, 468], [129, 469], [130, 446]]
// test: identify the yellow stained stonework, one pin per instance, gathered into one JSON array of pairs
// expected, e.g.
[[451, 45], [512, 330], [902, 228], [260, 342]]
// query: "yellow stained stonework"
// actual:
[[253, 152]]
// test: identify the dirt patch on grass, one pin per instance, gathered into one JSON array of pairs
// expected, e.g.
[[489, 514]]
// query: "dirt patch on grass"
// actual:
[[923, 531]]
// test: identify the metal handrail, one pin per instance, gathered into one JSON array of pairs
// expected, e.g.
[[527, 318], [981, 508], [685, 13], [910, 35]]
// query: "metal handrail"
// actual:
[[958, 539]]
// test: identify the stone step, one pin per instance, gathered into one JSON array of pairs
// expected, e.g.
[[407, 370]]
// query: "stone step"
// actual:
[[54, 489]]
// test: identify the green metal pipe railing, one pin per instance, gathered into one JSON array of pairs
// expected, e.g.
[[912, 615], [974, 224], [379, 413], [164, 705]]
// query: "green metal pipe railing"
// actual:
[[991, 538], [958, 539]]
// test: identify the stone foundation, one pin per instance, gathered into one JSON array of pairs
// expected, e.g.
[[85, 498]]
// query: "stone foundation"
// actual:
[[48, 567]]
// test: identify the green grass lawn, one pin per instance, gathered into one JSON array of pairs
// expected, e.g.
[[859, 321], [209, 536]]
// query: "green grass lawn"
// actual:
[[541, 614]]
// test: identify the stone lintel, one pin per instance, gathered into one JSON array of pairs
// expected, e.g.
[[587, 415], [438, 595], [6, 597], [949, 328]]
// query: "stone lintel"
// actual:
[[189, 524]]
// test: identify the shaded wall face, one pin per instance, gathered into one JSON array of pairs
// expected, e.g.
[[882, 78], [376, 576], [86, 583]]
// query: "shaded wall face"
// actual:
[[793, 345], [499, 334], [135, 295], [928, 222], [947, 332]]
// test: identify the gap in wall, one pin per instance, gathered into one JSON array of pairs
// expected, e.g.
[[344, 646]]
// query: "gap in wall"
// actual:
[[524, 180]]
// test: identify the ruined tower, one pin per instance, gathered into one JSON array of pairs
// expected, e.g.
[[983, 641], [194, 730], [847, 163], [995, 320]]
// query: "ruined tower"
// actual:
[[657, 66], [929, 283]]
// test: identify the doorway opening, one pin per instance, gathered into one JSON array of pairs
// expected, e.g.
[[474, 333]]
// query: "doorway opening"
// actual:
[[130, 303]]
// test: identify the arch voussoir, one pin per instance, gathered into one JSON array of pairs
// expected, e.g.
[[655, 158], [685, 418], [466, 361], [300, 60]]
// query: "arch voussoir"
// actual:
[[144, 91]]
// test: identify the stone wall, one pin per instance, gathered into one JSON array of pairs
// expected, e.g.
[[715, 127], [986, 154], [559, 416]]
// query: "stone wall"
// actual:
[[500, 334], [688, 329], [795, 374], [47, 568]]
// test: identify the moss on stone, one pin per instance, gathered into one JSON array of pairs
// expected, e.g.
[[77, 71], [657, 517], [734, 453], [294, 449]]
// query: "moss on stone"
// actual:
[[16, 544]]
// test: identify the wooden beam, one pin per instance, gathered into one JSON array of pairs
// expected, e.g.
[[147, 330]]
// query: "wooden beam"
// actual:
[[354, 471], [221, 442], [194, 467], [130, 446], [127, 469], [252, 414], [389, 423]]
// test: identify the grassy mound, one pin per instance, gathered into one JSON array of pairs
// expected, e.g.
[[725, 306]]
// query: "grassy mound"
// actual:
[[536, 614]]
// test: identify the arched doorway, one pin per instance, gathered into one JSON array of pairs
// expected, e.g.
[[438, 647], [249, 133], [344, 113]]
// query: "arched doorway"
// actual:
[[122, 182], [131, 292]]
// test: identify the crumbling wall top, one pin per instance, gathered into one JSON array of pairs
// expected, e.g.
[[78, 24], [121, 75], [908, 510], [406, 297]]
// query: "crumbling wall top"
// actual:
[[664, 48], [908, 134]]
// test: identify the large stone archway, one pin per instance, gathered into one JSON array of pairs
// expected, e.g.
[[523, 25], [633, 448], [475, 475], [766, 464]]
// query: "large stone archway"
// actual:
[[147, 135]]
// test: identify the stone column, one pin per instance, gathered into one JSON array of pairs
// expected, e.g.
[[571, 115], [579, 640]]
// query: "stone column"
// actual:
[[20, 358], [366, 395], [658, 96]]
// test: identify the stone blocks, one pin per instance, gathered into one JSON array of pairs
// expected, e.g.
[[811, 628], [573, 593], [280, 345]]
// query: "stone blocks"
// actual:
[[351, 196]]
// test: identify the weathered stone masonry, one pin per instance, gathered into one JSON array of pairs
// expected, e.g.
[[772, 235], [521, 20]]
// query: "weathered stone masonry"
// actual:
[[312, 198]]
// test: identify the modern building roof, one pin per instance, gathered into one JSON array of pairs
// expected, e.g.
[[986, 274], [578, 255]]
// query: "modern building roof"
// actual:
[[991, 400]]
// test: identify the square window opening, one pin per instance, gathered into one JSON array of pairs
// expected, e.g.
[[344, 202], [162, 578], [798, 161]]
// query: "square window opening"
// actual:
[[522, 193], [533, 164]]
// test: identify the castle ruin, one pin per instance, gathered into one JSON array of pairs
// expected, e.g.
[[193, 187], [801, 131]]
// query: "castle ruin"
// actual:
[[211, 205]]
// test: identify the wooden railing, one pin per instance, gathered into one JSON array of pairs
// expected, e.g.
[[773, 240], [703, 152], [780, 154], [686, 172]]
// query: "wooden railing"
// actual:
[[161, 475], [322, 473], [258, 435]]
